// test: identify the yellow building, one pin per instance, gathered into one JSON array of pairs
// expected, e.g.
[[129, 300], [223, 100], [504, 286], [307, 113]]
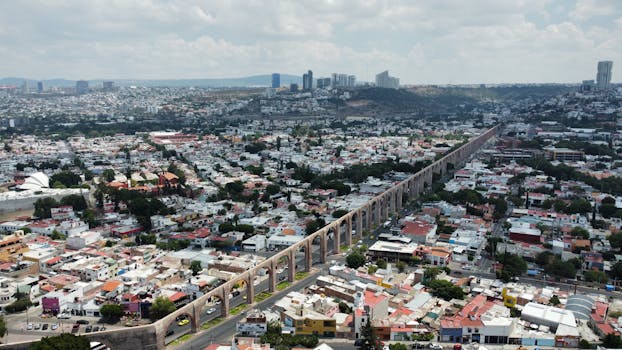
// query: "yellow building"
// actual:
[[308, 322], [509, 299], [11, 246]]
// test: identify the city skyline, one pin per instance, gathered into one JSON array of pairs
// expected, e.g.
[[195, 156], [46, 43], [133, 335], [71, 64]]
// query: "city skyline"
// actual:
[[424, 43]]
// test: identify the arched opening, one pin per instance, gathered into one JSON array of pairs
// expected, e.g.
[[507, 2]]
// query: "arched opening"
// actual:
[[343, 233], [211, 309], [302, 256], [178, 326], [331, 241], [316, 250]]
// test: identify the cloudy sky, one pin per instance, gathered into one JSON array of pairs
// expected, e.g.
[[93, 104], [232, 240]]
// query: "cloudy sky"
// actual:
[[421, 42]]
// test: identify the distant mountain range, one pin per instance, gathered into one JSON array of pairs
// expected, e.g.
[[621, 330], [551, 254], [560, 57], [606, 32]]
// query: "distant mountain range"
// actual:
[[264, 80]]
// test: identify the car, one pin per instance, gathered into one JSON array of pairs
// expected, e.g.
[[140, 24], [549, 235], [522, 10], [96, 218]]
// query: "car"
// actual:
[[211, 310], [417, 345], [236, 293], [63, 315], [183, 322], [103, 328], [44, 327], [37, 326], [96, 329], [170, 332], [435, 346], [54, 326], [88, 329], [244, 297], [82, 322], [30, 326], [75, 328], [217, 302]]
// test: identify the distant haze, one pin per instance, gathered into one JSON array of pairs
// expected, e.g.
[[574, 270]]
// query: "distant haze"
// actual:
[[421, 42]]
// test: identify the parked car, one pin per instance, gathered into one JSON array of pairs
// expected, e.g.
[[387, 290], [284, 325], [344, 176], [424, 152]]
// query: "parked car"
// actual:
[[88, 329], [75, 328], [435, 346], [44, 327], [37, 326], [96, 329], [30, 326], [183, 322], [63, 315], [54, 326], [170, 332], [82, 322]]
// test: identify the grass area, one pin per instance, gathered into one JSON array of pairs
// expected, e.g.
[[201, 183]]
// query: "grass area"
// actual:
[[262, 296], [236, 310], [300, 275], [211, 323], [181, 339], [343, 247], [283, 285]]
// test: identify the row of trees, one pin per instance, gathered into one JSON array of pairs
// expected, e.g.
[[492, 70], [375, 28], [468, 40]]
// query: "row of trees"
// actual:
[[43, 206]]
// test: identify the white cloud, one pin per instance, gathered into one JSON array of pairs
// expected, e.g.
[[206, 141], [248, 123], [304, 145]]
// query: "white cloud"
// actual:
[[421, 42]]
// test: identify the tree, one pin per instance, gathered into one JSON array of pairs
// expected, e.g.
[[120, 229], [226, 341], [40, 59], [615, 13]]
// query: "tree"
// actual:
[[355, 260], [596, 276], [161, 307], [111, 312], [108, 175], [445, 289], [3, 328], [67, 178], [397, 346], [57, 236], [344, 308], [616, 240], [580, 205], [612, 341], [401, 266], [339, 213], [62, 342], [273, 189], [616, 270], [76, 201], [559, 268], [43, 207], [370, 338], [382, 264], [554, 300], [513, 265], [580, 232], [196, 267], [226, 227], [20, 304]]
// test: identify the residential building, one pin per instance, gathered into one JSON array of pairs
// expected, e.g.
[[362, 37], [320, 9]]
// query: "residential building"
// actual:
[[276, 80], [383, 80], [603, 76]]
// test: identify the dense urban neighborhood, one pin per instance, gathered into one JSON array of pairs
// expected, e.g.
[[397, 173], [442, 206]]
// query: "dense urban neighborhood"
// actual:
[[327, 218]]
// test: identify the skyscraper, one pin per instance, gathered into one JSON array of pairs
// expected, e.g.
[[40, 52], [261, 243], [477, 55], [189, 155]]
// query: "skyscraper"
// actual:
[[82, 87], [603, 76], [307, 80], [108, 85], [383, 80], [39, 86], [276, 80]]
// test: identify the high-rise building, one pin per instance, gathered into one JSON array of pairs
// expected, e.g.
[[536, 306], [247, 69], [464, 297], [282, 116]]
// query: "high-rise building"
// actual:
[[351, 80], [307, 81], [82, 87], [108, 85], [323, 83], [384, 80], [343, 80], [39, 86], [276, 80], [603, 76], [293, 87]]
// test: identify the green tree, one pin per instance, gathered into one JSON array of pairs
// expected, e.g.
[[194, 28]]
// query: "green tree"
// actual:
[[273, 189], [401, 266], [554, 300], [196, 267], [370, 338], [344, 307], [76, 201], [398, 346], [43, 207], [612, 341], [57, 236], [596, 276], [513, 265], [580, 206], [108, 175], [67, 178], [111, 312], [226, 227], [3, 328], [161, 307], [560, 268], [382, 264], [355, 260], [445, 289], [615, 239], [580, 232], [62, 342], [339, 213], [20, 304]]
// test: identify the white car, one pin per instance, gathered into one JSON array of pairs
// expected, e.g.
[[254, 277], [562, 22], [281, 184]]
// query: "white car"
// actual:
[[63, 316], [30, 326], [211, 310], [54, 326]]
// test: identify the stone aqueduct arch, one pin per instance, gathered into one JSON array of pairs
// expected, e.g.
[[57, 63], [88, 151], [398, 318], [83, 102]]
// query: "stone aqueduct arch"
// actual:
[[383, 204]]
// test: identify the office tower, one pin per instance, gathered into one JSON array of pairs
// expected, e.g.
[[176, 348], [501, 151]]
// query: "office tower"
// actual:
[[603, 76], [383, 80], [82, 87], [323, 83], [307, 81], [276, 80], [39, 86], [293, 87], [108, 85], [351, 80], [587, 85]]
